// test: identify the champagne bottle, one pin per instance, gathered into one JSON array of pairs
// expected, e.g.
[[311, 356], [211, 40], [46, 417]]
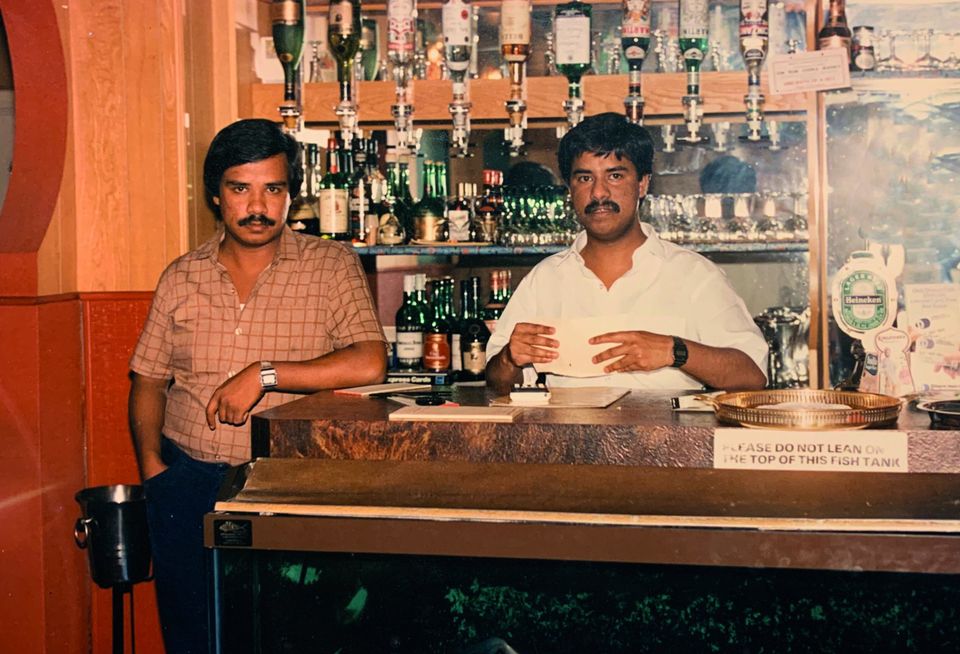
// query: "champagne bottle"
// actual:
[[473, 333], [334, 198], [287, 18], [411, 323], [835, 33], [694, 20], [344, 39]]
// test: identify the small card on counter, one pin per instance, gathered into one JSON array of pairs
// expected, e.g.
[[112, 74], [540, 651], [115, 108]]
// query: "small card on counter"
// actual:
[[583, 397], [453, 414], [380, 389]]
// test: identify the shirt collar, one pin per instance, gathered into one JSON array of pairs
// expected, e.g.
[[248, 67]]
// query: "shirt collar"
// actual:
[[289, 247], [653, 246]]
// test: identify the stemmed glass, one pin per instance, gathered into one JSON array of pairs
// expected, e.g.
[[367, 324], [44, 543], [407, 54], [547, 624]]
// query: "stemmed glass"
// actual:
[[926, 61], [952, 62], [891, 61]]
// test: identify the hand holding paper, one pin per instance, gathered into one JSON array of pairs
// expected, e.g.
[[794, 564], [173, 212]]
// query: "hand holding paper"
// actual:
[[531, 343]]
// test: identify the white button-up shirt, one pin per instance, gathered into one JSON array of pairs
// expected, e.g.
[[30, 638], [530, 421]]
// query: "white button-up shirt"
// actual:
[[669, 290]]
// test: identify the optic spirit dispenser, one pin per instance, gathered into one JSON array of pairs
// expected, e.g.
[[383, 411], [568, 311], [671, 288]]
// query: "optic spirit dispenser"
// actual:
[[515, 48], [458, 46], [694, 20], [287, 17], [754, 38], [343, 40], [635, 40]]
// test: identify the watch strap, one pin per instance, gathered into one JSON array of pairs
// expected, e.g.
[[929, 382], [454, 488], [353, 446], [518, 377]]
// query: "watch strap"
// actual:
[[680, 353], [268, 376]]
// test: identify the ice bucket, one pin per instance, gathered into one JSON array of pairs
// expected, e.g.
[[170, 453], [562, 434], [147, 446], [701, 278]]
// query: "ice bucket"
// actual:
[[113, 530]]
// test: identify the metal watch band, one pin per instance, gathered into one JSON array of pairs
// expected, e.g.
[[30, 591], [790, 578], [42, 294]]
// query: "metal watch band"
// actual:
[[680, 353], [268, 376]]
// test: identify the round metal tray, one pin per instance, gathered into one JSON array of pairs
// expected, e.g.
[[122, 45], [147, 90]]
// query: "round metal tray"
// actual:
[[943, 413], [866, 409]]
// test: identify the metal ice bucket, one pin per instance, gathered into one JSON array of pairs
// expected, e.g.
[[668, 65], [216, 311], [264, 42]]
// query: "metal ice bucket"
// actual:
[[113, 530]]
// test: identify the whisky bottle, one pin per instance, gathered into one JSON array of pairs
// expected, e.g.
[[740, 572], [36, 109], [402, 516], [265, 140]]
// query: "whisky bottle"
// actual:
[[334, 198], [571, 28], [835, 33], [440, 327], [303, 215], [754, 32], [515, 30], [473, 333]]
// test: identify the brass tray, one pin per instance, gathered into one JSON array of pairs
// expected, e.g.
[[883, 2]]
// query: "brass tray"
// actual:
[[866, 409]]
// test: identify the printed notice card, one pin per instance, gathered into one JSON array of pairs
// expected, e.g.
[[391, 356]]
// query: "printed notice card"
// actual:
[[826, 451], [818, 70]]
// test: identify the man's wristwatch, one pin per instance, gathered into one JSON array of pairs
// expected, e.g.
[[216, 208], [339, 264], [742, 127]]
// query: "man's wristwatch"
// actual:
[[268, 376], [680, 353]]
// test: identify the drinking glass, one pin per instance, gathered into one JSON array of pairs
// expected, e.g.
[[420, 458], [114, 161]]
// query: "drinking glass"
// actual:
[[891, 61], [925, 61]]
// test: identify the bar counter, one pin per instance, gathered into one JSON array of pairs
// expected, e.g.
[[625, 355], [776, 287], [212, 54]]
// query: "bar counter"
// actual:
[[639, 430]]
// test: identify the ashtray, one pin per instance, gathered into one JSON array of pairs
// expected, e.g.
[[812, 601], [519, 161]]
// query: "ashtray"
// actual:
[[943, 413]]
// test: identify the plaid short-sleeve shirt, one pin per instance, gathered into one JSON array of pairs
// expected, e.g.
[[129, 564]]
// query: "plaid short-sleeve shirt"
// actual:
[[313, 299]]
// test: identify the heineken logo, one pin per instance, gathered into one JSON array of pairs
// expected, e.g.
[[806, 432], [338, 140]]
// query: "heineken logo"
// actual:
[[863, 300]]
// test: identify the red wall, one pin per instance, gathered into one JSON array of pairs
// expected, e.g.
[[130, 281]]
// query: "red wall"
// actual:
[[63, 418]]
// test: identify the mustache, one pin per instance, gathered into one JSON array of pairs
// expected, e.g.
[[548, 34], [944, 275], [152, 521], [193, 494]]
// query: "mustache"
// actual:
[[257, 218], [608, 205]]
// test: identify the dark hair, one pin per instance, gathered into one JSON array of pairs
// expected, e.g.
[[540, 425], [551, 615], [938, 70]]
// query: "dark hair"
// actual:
[[603, 134], [247, 141], [727, 174]]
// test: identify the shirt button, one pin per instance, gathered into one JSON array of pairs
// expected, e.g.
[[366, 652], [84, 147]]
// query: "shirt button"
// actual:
[[238, 331]]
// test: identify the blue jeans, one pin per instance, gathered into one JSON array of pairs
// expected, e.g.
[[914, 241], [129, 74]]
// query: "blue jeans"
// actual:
[[177, 500]]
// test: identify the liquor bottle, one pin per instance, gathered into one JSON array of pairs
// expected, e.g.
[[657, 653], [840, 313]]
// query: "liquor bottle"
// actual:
[[494, 307], [754, 32], [411, 323], [404, 204], [334, 198], [571, 33], [303, 215], [428, 212], [458, 216], [515, 30], [391, 230], [287, 18], [635, 34], [401, 31], [694, 21], [473, 333], [439, 331], [457, 38], [835, 33], [343, 40], [487, 210]]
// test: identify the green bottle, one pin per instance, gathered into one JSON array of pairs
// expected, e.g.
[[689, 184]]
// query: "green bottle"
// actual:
[[694, 23], [343, 39], [334, 198]]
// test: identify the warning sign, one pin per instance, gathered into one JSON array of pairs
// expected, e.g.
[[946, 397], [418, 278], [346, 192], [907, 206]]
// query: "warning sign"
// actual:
[[847, 451]]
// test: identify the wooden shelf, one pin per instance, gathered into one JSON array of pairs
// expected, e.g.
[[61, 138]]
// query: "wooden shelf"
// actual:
[[722, 92], [498, 250]]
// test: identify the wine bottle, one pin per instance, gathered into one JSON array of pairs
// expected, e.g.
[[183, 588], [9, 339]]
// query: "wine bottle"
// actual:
[[334, 198], [411, 323], [494, 307], [694, 21], [343, 39], [287, 18], [473, 333], [835, 33]]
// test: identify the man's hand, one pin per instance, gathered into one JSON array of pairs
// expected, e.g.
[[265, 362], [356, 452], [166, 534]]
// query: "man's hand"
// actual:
[[151, 467], [232, 401], [528, 344], [638, 351]]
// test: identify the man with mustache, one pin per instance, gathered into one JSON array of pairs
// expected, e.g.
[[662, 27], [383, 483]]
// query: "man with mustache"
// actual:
[[250, 319], [688, 327]]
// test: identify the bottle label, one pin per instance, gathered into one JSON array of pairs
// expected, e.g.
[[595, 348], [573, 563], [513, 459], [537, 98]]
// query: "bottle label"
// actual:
[[456, 23], [634, 52], [475, 358], [753, 10], [694, 17], [456, 360], [459, 220], [436, 352], [572, 34], [636, 19], [341, 18], [400, 26], [410, 347], [334, 211], [515, 22], [834, 41]]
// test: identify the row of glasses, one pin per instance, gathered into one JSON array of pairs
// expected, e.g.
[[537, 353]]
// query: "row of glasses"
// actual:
[[927, 44], [766, 217], [536, 215]]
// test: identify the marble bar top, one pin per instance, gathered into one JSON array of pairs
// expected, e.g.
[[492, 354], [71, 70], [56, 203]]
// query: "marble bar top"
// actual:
[[639, 430]]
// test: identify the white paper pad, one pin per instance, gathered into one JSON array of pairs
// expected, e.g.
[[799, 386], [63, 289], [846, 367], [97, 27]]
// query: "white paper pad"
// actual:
[[588, 397]]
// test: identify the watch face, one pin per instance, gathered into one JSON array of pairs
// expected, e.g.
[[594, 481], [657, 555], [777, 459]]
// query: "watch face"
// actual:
[[268, 378]]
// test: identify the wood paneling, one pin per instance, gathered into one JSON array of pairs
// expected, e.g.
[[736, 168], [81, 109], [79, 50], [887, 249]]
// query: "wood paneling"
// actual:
[[723, 94]]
